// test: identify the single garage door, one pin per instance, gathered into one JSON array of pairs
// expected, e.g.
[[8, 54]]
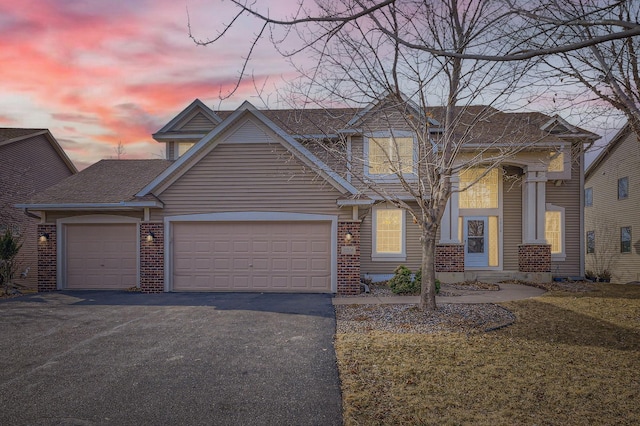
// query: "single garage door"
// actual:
[[101, 256], [252, 256]]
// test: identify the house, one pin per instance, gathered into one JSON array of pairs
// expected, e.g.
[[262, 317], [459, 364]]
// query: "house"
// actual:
[[611, 205], [31, 160], [282, 200]]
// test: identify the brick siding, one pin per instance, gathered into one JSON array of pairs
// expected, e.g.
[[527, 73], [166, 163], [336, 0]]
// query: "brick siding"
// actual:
[[349, 264], [534, 258], [47, 259], [450, 258], [152, 258]]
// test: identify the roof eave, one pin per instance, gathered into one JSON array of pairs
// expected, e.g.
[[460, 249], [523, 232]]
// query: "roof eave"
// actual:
[[122, 205]]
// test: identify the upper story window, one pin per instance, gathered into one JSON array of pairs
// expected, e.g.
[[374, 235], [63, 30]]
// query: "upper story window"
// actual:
[[479, 188], [184, 147], [588, 197], [556, 163], [559, 164], [389, 155], [623, 188]]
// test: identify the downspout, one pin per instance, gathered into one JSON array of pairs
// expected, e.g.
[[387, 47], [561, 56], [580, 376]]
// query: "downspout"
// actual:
[[582, 234], [31, 215]]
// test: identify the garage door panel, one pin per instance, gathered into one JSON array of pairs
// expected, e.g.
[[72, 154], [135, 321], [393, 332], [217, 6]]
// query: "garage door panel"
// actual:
[[100, 256], [264, 256]]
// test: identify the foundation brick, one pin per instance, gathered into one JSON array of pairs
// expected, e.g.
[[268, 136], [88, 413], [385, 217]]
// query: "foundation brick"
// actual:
[[349, 260], [47, 258], [152, 258], [450, 258], [534, 258]]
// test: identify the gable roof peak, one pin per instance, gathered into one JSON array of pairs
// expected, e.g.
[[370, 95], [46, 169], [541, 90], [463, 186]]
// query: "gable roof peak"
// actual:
[[194, 108]]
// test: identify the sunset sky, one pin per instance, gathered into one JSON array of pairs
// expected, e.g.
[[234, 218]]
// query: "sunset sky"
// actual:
[[101, 72]]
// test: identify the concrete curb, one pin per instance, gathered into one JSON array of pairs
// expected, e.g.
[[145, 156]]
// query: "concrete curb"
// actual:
[[507, 293]]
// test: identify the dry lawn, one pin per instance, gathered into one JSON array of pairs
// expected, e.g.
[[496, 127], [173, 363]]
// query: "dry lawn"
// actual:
[[569, 359]]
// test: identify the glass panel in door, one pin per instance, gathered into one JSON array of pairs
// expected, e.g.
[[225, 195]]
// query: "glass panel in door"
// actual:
[[475, 236]]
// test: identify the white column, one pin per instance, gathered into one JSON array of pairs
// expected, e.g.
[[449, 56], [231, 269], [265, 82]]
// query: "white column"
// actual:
[[449, 222], [533, 208]]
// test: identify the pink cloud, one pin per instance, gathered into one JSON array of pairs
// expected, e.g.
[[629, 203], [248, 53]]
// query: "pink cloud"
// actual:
[[102, 72]]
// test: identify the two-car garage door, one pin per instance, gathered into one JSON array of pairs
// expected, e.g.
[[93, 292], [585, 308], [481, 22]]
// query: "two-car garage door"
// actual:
[[252, 256]]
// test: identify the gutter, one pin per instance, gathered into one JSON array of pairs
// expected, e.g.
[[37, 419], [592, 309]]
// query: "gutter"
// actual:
[[92, 206]]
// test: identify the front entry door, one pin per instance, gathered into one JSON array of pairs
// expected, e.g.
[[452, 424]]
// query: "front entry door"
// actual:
[[476, 253]]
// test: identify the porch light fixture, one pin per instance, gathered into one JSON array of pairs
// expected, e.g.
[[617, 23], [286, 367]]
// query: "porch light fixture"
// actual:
[[43, 237], [348, 237], [150, 237]]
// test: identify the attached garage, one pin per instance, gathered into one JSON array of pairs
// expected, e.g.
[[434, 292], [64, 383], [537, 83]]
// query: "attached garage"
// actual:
[[265, 256], [100, 256]]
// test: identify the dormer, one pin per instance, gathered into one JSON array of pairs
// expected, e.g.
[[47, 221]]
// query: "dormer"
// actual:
[[187, 128]]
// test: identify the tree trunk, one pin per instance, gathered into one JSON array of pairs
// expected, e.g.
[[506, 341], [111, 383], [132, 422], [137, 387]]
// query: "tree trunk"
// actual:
[[428, 284]]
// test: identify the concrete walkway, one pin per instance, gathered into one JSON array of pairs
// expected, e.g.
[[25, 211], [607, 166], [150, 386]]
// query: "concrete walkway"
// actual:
[[507, 293]]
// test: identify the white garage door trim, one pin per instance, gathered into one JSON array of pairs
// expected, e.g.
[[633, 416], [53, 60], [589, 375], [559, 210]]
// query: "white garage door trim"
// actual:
[[61, 276], [250, 217]]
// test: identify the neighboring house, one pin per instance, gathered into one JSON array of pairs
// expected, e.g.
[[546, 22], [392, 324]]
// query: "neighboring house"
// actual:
[[246, 202], [612, 209], [31, 160]]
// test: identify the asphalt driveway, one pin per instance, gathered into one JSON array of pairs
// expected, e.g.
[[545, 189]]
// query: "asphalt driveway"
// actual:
[[86, 358]]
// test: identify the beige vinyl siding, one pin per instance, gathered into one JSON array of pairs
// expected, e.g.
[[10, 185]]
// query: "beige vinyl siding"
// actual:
[[251, 177], [608, 214], [568, 195], [197, 123], [413, 248], [53, 216], [27, 167], [511, 221]]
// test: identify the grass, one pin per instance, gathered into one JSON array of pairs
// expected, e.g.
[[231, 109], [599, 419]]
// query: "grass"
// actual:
[[570, 358]]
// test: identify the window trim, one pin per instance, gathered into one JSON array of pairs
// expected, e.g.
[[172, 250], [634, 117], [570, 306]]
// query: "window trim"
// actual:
[[375, 256], [588, 201], [622, 251], [626, 195], [388, 176], [563, 234]]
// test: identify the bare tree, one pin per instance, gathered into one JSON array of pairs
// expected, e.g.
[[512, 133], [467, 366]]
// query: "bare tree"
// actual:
[[402, 58], [120, 150], [608, 71]]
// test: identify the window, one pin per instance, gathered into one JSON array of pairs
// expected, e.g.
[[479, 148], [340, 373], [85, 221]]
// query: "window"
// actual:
[[588, 197], [625, 239], [388, 233], [554, 231], [184, 147], [556, 162], [591, 242], [559, 164], [623, 188], [478, 191], [390, 155]]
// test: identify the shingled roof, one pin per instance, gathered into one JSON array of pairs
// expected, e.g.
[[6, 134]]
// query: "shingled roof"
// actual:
[[8, 133], [307, 122], [105, 182]]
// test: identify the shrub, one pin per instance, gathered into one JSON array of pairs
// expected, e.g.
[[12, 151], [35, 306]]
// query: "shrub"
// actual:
[[404, 283], [9, 248]]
